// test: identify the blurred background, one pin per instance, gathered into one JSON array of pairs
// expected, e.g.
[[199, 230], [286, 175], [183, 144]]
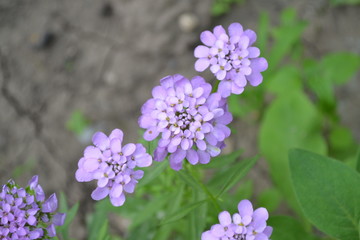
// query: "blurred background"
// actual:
[[69, 68]]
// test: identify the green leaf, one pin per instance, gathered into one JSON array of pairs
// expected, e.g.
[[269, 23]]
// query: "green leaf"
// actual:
[[149, 210], [290, 121], [196, 184], [70, 215], [269, 199], [237, 173], [339, 67], [285, 81], [223, 160], [328, 192], [77, 122], [285, 37], [152, 173], [184, 211], [287, 228], [263, 31], [358, 162]]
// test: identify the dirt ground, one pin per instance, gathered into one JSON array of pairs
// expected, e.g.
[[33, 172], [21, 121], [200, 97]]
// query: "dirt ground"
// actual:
[[104, 57]]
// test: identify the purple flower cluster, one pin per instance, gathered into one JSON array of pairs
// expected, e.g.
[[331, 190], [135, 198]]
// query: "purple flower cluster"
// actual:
[[191, 120], [231, 58], [25, 214], [113, 166], [247, 224]]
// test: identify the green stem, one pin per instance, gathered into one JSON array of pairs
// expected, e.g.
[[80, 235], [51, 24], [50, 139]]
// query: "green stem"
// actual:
[[204, 188]]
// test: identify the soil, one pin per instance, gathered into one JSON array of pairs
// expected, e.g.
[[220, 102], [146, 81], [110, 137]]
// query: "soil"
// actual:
[[103, 58]]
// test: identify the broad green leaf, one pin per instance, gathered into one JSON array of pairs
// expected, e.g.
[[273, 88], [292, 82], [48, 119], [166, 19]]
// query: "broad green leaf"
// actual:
[[237, 173], [285, 81], [269, 199], [328, 192], [287, 228], [339, 67], [285, 37], [290, 121], [223, 160], [184, 211]]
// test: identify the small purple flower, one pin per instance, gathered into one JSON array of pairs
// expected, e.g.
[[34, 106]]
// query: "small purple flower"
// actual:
[[247, 224], [191, 121], [231, 58], [113, 166], [25, 214]]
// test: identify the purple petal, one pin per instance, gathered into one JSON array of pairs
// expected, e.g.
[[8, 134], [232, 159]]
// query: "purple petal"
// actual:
[[101, 140], [144, 161], [208, 236], [201, 52], [160, 153], [204, 157], [217, 230], [91, 164], [235, 89], [260, 214], [151, 134], [201, 64], [130, 187], [83, 176], [213, 151], [33, 182], [255, 78], [192, 156], [201, 144], [115, 145], [245, 208], [225, 218], [251, 35], [100, 193], [207, 38], [259, 64], [92, 152], [119, 201], [261, 236], [116, 190], [51, 230], [178, 156], [159, 92], [116, 133], [219, 30], [235, 29], [224, 88], [59, 219], [50, 205], [268, 231], [254, 52], [129, 149]]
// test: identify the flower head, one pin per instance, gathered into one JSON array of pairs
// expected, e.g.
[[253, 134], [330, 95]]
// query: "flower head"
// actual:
[[231, 58], [113, 166], [189, 118], [25, 214], [247, 224]]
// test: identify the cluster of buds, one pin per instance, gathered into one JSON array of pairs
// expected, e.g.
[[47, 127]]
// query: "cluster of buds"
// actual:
[[25, 214]]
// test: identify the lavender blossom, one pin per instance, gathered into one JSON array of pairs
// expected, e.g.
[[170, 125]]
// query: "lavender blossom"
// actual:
[[190, 120], [247, 224], [25, 214], [231, 58], [113, 166]]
